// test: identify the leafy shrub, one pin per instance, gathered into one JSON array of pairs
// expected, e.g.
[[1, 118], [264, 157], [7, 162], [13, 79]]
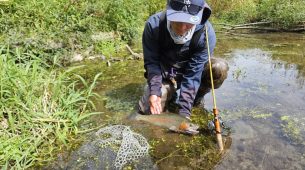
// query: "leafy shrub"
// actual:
[[123, 16], [284, 13], [154, 6], [235, 11], [241, 12], [60, 28]]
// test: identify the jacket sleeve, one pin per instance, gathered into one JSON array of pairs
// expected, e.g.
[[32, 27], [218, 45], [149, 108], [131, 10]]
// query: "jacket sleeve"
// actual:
[[193, 71], [152, 57]]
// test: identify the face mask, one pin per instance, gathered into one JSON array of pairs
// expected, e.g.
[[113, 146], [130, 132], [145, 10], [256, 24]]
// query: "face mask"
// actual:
[[178, 39]]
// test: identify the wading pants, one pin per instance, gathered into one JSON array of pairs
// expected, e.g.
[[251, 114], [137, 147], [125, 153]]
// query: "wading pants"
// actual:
[[220, 71]]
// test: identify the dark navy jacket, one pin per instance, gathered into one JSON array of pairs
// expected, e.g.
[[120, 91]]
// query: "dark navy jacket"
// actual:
[[160, 57]]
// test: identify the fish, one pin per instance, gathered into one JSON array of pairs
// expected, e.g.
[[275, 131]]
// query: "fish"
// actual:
[[165, 119]]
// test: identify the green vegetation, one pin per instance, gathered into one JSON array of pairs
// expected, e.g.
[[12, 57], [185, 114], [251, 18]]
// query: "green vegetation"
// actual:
[[236, 11], [255, 113], [41, 106], [239, 74], [293, 129], [193, 152], [66, 28], [40, 109], [281, 13]]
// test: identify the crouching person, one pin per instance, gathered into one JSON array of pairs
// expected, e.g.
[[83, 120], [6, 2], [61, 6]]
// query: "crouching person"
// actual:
[[176, 58]]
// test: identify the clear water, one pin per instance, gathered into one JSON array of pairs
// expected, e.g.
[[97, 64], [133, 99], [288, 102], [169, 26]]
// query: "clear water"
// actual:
[[263, 100]]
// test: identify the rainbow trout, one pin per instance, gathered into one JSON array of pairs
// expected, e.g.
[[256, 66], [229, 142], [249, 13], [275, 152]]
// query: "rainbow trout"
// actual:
[[166, 119]]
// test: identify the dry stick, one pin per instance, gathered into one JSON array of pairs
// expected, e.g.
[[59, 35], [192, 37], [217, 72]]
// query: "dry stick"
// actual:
[[269, 29], [247, 24], [232, 33], [254, 23], [257, 28], [135, 55], [130, 50], [89, 130], [299, 28], [168, 156], [215, 111]]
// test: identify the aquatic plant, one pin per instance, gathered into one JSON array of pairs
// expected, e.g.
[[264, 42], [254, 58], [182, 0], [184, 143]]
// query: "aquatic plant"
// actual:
[[239, 73], [293, 128]]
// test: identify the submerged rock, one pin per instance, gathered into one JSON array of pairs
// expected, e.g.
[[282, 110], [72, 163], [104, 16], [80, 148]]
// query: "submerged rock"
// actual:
[[92, 157], [113, 147]]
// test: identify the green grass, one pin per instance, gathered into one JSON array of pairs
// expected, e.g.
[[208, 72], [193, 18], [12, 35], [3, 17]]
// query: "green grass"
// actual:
[[281, 13], [67, 27], [40, 109]]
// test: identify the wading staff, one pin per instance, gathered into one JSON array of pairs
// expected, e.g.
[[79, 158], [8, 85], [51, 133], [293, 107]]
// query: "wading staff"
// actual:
[[215, 111]]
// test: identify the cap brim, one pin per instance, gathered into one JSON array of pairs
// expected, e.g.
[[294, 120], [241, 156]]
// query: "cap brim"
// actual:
[[180, 16]]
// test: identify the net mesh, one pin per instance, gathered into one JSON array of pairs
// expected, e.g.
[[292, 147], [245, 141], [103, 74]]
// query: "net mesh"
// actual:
[[112, 147], [132, 146]]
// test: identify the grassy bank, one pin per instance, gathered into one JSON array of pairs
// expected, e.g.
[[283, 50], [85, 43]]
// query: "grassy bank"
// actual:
[[40, 109], [66, 28], [281, 14], [93, 28]]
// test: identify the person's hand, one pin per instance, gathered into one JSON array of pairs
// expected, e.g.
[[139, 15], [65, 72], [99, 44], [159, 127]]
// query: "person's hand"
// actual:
[[155, 104]]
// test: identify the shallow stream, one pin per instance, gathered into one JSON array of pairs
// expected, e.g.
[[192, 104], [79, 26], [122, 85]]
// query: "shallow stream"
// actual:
[[262, 100]]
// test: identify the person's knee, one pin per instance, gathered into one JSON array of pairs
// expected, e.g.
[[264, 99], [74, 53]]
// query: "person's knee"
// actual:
[[143, 106], [220, 72], [219, 68]]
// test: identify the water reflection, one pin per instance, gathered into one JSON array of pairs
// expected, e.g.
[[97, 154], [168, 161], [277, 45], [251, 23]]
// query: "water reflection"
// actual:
[[263, 100]]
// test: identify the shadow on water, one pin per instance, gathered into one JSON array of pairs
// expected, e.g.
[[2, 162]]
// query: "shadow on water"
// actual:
[[263, 100]]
